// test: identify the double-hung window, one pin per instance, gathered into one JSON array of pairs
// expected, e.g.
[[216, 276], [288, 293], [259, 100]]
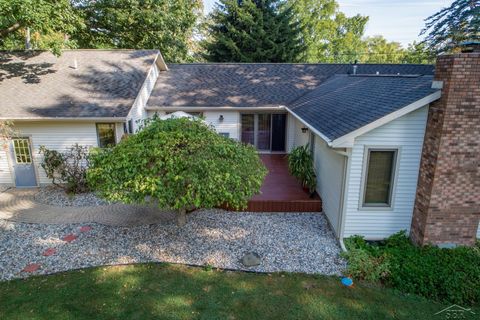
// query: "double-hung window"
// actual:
[[379, 177], [106, 135]]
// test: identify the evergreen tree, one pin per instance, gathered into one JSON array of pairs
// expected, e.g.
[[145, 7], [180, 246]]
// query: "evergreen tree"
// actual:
[[253, 31], [451, 26]]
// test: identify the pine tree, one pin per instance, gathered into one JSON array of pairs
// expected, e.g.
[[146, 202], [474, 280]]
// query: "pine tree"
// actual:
[[253, 31], [448, 28]]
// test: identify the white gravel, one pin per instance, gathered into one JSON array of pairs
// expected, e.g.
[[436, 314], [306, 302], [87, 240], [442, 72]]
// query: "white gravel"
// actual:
[[294, 242], [55, 196]]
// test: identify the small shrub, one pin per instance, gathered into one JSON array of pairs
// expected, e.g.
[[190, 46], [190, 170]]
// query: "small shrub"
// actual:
[[300, 165], [445, 275], [67, 170]]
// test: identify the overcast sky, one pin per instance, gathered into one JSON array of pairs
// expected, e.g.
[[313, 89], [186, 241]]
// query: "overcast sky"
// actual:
[[396, 20]]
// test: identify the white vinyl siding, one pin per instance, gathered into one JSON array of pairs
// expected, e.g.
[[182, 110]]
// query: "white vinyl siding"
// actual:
[[56, 136], [329, 167], [298, 137], [230, 123], [5, 174], [290, 132], [137, 112], [405, 133]]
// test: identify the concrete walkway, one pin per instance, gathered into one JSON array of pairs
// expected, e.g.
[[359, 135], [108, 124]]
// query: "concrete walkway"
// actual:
[[19, 205]]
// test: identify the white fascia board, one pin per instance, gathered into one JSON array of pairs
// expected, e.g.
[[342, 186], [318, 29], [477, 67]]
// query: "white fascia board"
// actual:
[[318, 133], [212, 108], [79, 119], [347, 140], [162, 66]]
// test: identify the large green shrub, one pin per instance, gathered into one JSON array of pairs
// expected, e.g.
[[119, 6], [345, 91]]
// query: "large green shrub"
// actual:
[[178, 164], [446, 275]]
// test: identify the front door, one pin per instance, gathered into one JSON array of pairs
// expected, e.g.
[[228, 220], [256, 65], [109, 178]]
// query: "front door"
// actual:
[[265, 131], [23, 167], [279, 122]]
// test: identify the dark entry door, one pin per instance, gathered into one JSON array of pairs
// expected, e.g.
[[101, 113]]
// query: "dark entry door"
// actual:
[[279, 122], [23, 166]]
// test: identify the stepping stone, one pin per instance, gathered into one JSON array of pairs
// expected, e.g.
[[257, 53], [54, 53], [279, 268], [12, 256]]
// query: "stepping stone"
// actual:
[[251, 259], [49, 252], [85, 228], [31, 267], [69, 237]]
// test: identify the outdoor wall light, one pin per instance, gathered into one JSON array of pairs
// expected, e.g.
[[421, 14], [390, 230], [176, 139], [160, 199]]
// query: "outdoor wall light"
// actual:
[[220, 119], [304, 129]]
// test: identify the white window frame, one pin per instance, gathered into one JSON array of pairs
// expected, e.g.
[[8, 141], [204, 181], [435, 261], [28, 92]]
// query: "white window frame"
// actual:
[[363, 186]]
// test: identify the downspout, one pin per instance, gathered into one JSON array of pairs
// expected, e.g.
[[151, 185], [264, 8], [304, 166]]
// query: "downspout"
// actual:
[[343, 203]]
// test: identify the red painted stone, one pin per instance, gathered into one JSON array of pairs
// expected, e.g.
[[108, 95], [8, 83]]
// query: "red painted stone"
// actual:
[[31, 267], [85, 228], [69, 237], [49, 252]]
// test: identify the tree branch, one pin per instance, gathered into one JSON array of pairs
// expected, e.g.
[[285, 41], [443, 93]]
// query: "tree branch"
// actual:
[[10, 29]]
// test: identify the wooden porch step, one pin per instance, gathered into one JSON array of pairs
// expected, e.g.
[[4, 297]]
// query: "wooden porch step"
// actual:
[[313, 205]]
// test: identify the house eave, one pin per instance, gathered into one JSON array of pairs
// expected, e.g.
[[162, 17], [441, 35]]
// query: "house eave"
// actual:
[[78, 119], [213, 108]]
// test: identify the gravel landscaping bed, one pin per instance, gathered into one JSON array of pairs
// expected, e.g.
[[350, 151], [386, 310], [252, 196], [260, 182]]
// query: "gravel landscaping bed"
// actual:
[[296, 242], [55, 196]]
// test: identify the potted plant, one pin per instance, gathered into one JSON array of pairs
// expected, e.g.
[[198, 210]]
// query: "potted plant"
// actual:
[[300, 165]]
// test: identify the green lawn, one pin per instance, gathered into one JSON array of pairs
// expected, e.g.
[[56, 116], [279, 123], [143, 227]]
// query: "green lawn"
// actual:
[[160, 291]]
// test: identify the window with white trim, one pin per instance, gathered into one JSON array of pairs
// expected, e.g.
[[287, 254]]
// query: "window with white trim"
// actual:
[[379, 177], [106, 135]]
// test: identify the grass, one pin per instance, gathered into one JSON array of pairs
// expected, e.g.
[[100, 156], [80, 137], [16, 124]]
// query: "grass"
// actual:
[[161, 291]]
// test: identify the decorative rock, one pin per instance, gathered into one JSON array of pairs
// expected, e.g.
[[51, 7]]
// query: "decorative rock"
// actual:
[[85, 228], [251, 259], [32, 267], [291, 242], [69, 237], [49, 252]]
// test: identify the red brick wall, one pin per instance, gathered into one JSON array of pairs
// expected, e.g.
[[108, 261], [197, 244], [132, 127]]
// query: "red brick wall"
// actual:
[[447, 204]]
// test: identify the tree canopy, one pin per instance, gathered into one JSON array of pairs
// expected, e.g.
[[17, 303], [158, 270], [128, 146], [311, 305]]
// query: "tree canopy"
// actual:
[[179, 164], [140, 24], [328, 34], [48, 21], [448, 28], [253, 31]]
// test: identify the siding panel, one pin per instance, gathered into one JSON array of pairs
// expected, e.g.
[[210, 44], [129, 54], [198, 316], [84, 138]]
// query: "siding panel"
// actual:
[[230, 123], [406, 133], [57, 136], [138, 112]]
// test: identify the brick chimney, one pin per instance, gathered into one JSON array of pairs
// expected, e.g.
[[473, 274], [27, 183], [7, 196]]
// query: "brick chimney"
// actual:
[[447, 204]]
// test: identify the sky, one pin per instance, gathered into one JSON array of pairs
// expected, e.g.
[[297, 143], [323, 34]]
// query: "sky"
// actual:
[[396, 20]]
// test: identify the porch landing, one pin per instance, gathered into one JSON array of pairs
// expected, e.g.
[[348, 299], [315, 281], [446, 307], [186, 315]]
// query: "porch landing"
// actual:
[[280, 191]]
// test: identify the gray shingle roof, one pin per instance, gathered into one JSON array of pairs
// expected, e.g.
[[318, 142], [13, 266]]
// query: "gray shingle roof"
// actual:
[[105, 83], [345, 103], [254, 85]]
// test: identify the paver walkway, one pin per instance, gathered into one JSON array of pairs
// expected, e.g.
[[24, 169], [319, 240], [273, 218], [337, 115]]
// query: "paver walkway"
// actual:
[[19, 205]]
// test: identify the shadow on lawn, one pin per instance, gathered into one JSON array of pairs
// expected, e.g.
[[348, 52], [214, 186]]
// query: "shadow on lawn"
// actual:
[[154, 291]]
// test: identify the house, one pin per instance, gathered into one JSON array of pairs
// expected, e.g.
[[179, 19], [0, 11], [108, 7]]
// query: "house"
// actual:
[[370, 127]]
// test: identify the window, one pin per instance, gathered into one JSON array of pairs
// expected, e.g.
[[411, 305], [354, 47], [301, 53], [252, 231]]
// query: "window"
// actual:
[[106, 134], [379, 177], [224, 134], [21, 149], [130, 126]]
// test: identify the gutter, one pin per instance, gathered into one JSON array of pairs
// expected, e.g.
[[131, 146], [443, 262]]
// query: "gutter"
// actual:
[[318, 133], [213, 108]]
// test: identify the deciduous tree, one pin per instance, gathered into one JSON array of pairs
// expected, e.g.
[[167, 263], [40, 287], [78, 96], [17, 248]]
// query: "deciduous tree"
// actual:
[[166, 25], [179, 164]]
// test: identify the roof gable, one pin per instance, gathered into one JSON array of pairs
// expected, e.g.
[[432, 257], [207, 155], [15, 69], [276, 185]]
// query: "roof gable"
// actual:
[[347, 104]]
